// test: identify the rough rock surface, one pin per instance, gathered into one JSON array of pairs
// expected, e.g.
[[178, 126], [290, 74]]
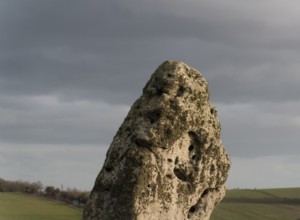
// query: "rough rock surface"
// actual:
[[167, 160]]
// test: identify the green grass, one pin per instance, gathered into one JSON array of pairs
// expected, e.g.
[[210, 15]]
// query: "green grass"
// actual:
[[247, 193], [240, 204], [254, 211], [17, 206], [262, 204]]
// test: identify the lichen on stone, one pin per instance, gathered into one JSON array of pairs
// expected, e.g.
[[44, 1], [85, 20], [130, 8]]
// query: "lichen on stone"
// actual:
[[167, 160]]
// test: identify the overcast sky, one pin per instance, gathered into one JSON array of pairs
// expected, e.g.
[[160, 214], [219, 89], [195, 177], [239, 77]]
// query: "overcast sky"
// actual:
[[70, 70]]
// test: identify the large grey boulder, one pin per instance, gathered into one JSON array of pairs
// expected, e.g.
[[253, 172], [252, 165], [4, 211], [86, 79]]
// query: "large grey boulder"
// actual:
[[167, 160]]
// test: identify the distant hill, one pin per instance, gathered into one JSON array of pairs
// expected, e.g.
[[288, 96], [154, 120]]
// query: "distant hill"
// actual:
[[259, 204]]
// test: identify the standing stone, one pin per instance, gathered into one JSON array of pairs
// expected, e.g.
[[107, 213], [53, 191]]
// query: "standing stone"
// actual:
[[167, 161]]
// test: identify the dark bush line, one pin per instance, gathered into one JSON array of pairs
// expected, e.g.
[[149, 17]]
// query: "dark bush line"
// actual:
[[69, 196], [20, 186]]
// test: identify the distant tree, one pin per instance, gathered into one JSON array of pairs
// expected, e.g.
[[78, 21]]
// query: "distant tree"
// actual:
[[36, 187], [67, 196], [2, 185], [52, 192]]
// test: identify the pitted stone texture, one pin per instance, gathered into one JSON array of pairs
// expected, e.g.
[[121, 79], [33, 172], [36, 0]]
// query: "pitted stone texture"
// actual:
[[167, 160]]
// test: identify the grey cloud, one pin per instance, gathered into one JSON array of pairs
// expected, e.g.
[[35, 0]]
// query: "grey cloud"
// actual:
[[250, 130], [69, 70], [265, 171], [96, 46], [52, 165], [50, 121], [233, 21]]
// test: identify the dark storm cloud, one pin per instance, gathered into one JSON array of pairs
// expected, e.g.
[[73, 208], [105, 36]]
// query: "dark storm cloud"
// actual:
[[81, 50]]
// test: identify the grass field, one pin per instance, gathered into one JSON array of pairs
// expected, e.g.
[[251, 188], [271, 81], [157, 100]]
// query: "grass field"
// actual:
[[17, 206], [242, 204], [263, 204]]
